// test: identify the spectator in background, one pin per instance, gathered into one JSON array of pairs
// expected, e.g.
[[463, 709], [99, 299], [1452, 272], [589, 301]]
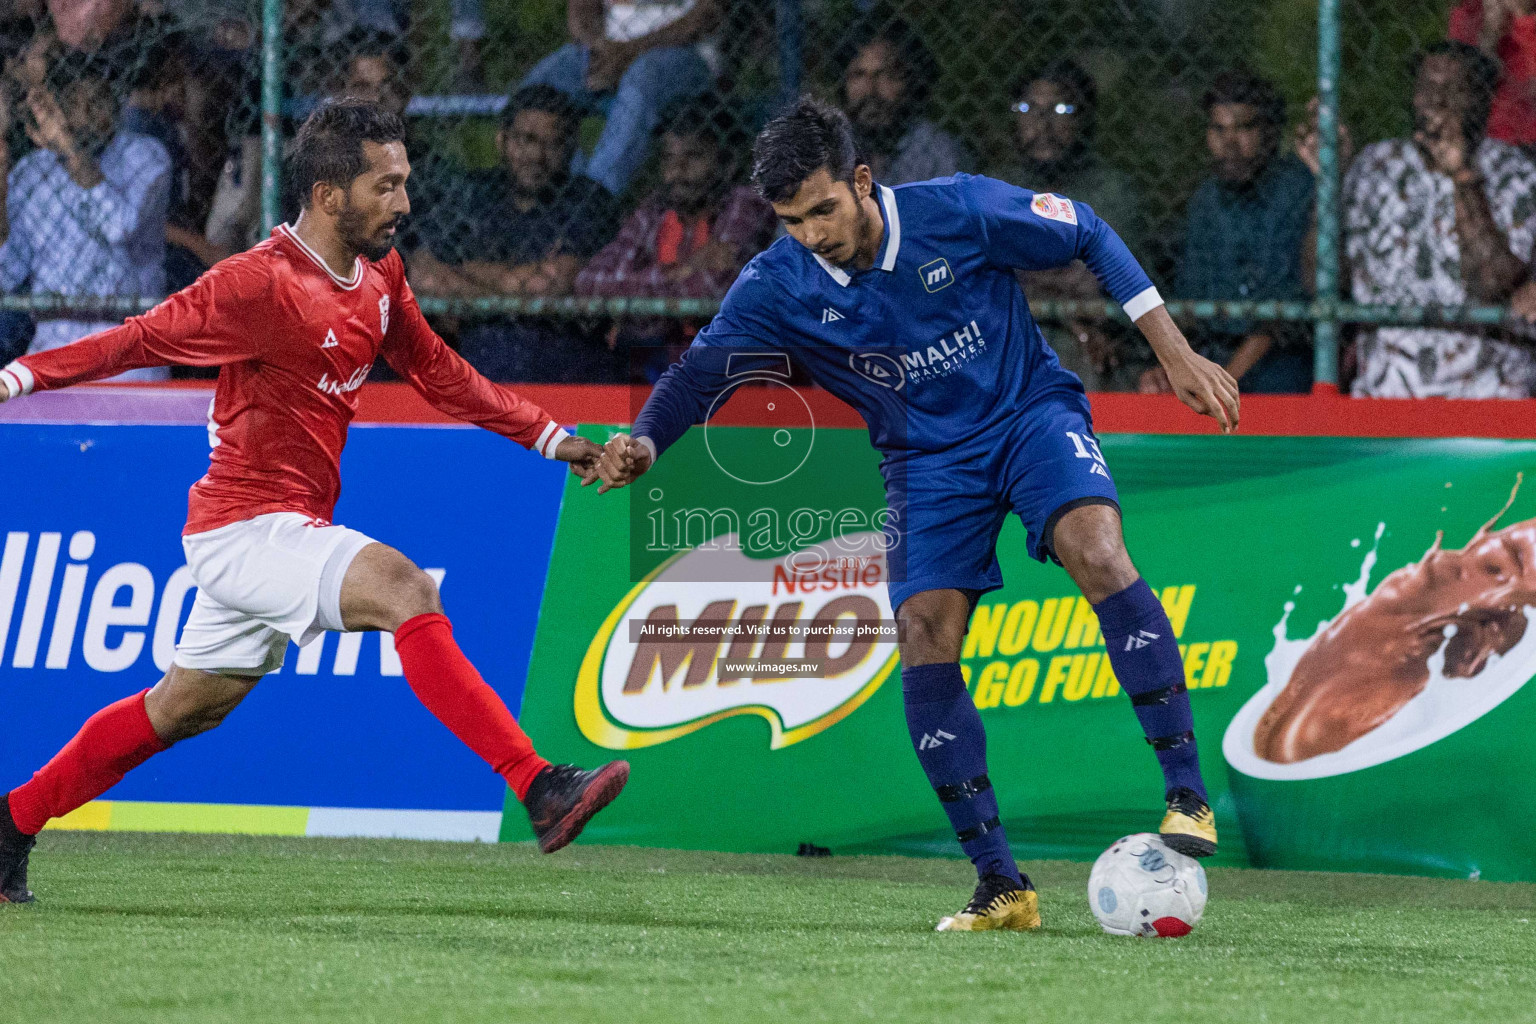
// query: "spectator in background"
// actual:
[[88, 24], [644, 55], [691, 238], [1246, 237], [1506, 31], [123, 38], [466, 28], [85, 212], [374, 68], [885, 91], [157, 108], [1054, 119], [524, 228], [1446, 217]]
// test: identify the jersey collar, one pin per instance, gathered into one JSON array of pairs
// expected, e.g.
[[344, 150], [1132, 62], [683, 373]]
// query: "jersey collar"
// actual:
[[347, 284], [890, 246]]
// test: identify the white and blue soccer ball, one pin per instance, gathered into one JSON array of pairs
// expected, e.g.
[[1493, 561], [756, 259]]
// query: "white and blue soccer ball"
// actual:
[[1141, 886]]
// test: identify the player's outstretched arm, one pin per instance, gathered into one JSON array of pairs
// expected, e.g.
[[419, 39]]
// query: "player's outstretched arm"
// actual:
[[207, 323], [451, 385], [1200, 384]]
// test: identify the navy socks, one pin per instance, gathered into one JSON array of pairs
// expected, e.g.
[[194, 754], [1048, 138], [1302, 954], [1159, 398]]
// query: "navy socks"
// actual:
[[1145, 656], [952, 747]]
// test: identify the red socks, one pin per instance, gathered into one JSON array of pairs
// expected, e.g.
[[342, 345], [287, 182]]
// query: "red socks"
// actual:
[[110, 744], [119, 738], [444, 680]]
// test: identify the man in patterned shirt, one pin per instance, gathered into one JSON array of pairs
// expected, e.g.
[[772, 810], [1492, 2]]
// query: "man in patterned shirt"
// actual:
[[1445, 217], [85, 211]]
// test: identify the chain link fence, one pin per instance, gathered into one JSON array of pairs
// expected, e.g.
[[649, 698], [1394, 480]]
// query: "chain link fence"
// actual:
[[579, 166]]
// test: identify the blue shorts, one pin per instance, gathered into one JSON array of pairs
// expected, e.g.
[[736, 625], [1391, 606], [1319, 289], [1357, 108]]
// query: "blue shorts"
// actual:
[[947, 508]]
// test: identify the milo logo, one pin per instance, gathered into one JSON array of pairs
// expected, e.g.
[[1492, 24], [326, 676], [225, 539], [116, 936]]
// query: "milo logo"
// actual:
[[800, 641]]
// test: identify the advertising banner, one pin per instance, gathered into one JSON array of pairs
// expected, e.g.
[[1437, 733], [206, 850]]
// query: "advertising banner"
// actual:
[[93, 591], [1353, 622]]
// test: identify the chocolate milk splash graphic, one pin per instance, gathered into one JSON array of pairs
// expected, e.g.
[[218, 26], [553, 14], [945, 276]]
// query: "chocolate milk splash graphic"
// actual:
[[1452, 611]]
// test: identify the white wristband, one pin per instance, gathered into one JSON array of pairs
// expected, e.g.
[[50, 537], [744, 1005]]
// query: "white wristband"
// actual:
[[548, 441], [649, 446], [1144, 303], [17, 380]]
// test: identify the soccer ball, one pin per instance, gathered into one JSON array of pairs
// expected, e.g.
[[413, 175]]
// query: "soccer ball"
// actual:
[[1139, 886]]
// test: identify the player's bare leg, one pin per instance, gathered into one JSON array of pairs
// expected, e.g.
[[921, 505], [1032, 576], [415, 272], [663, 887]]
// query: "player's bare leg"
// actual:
[[947, 735], [1140, 644], [111, 743], [385, 590]]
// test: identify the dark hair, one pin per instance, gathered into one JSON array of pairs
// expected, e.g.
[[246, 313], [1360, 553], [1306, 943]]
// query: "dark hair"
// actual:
[[329, 146], [703, 118], [1074, 79], [1239, 85], [165, 63], [796, 144], [917, 61], [1482, 71], [543, 98]]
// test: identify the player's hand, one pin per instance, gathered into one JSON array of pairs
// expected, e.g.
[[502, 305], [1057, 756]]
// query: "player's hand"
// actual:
[[624, 460], [582, 456], [1205, 387]]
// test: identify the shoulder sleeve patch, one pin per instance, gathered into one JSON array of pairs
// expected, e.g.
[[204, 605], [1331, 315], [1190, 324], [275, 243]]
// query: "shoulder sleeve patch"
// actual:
[[1054, 207]]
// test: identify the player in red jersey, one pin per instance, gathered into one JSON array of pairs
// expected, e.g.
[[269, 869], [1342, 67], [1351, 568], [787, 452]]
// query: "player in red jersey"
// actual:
[[294, 326]]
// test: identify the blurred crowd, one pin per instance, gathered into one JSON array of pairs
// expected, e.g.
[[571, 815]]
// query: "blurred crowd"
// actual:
[[615, 166]]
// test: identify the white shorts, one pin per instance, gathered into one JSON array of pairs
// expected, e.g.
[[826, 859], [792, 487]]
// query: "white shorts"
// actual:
[[261, 583]]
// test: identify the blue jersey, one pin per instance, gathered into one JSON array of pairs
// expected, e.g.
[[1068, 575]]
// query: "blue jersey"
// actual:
[[935, 344]]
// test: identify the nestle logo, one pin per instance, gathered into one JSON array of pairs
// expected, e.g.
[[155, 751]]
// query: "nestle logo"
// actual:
[[936, 274]]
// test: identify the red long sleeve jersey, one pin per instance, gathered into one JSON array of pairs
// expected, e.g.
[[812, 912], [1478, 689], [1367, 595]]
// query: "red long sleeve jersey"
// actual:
[[293, 342]]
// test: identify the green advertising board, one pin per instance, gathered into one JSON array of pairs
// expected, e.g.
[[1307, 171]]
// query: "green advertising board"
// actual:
[[1389, 737]]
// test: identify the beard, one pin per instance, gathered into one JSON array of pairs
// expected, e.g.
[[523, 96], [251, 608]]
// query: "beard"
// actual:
[[860, 232], [1238, 173], [879, 125], [352, 230]]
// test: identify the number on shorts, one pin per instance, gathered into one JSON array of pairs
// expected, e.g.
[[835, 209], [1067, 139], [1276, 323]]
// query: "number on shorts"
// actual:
[[1088, 448]]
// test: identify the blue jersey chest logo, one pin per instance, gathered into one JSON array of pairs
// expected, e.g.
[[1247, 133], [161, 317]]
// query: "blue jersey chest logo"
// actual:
[[936, 275]]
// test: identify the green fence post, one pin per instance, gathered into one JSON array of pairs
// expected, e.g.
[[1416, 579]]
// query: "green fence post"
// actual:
[[271, 112], [1325, 366]]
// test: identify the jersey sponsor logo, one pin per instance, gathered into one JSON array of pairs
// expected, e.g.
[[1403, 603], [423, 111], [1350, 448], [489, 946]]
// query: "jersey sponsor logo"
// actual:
[[384, 315], [330, 339], [1054, 207], [340, 387], [830, 315], [797, 643], [120, 617], [936, 274], [878, 368], [946, 355]]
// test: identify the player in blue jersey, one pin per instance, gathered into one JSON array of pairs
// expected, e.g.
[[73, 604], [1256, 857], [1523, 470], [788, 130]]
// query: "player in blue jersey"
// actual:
[[904, 303]]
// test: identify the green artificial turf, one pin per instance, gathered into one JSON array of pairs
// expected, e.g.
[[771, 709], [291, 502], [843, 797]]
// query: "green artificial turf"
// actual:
[[230, 929]]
